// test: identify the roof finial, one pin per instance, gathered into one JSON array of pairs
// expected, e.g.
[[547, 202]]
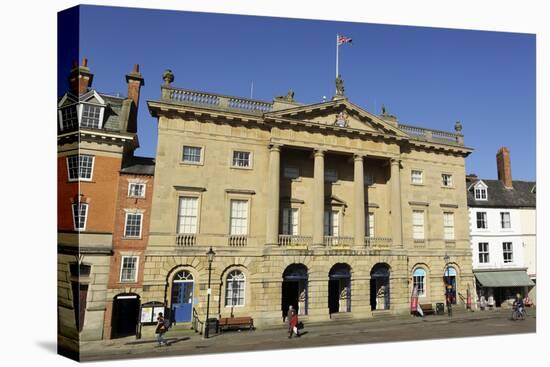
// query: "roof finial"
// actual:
[[458, 127], [168, 77]]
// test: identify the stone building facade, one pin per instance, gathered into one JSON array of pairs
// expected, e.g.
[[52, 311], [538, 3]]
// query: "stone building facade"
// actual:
[[325, 207], [97, 133]]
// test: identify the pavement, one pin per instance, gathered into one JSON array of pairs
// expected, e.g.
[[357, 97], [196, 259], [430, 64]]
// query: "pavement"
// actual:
[[345, 332]]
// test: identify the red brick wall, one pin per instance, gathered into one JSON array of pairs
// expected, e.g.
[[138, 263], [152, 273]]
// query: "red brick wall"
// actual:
[[100, 194], [67, 192]]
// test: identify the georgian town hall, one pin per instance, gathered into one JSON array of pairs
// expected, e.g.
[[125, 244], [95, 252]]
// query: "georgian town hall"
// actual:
[[325, 207]]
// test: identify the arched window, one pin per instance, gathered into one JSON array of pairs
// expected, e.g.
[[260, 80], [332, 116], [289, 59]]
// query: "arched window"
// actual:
[[419, 281], [183, 276], [234, 289]]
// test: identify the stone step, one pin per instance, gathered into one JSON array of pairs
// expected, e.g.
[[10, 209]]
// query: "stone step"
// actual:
[[383, 314], [341, 316]]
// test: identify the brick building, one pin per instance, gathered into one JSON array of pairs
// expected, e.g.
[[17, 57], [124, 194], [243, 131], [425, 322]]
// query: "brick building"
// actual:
[[97, 135], [130, 236]]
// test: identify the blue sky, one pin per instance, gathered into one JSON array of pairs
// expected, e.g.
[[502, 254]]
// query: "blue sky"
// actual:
[[429, 77]]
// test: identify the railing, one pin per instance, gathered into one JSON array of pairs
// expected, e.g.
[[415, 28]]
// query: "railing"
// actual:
[[338, 241], [432, 135], [186, 240], [238, 240], [288, 240], [378, 243], [197, 324], [217, 101]]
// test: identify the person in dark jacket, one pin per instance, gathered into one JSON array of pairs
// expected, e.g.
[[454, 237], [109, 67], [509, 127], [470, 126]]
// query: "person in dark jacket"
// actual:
[[160, 330]]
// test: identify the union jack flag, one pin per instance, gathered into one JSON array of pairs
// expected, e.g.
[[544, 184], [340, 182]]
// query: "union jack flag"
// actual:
[[343, 39]]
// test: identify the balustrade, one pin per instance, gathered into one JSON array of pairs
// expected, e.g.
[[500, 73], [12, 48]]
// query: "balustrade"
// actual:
[[430, 135], [186, 240], [294, 240], [238, 240], [338, 241], [378, 243], [218, 101]]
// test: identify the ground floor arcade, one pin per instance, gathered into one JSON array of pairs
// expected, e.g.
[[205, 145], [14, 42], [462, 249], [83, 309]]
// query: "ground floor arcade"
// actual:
[[264, 287]]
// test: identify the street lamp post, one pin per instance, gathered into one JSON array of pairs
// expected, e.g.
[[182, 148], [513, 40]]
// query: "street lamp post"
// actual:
[[210, 255], [448, 286]]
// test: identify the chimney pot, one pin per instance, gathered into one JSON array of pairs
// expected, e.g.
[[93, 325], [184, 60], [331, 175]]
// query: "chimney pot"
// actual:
[[80, 77], [136, 68]]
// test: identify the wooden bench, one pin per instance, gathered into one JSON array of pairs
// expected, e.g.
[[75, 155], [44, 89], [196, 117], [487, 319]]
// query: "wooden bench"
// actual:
[[236, 323], [427, 309]]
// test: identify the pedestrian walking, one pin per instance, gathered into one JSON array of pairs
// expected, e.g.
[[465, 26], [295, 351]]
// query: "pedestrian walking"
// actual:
[[293, 325], [161, 329]]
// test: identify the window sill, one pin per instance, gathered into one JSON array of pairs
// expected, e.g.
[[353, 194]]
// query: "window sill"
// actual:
[[81, 180], [417, 184], [126, 282], [447, 187], [135, 197], [189, 163], [243, 168], [235, 306], [131, 238]]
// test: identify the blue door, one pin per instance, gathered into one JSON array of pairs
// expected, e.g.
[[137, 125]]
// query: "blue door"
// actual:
[[182, 301]]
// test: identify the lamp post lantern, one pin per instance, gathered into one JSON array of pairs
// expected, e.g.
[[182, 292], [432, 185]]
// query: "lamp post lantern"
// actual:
[[210, 255], [448, 286]]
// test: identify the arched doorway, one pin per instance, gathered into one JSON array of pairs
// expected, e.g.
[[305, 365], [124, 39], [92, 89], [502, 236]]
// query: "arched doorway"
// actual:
[[339, 288], [182, 296], [294, 289], [449, 279], [125, 315], [380, 287]]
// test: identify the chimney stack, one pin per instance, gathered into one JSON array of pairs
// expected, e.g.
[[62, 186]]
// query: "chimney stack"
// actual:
[[80, 78], [135, 81], [504, 168]]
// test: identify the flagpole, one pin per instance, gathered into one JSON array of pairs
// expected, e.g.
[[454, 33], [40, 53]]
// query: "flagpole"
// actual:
[[337, 55]]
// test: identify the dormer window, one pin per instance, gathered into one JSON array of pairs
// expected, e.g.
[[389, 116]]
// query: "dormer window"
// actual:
[[480, 191], [91, 116], [87, 112], [69, 118]]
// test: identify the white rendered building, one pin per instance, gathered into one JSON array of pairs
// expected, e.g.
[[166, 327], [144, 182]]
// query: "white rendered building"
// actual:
[[502, 228]]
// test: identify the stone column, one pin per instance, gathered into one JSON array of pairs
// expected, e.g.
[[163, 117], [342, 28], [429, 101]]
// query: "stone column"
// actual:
[[359, 201], [272, 220], [318, 196], [396, 220]]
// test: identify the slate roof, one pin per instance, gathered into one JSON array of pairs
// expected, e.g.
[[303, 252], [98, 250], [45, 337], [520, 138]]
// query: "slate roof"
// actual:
[[521, 196], [139, 166], [112, 112]]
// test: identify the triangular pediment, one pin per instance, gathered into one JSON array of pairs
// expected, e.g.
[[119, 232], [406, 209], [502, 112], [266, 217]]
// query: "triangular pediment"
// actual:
[[90, 97], [340, 113]]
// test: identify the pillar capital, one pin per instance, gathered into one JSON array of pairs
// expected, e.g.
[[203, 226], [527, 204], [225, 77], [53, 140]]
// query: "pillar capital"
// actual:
[[395, 161], [276, 147], [359, 156], [319, 152]]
